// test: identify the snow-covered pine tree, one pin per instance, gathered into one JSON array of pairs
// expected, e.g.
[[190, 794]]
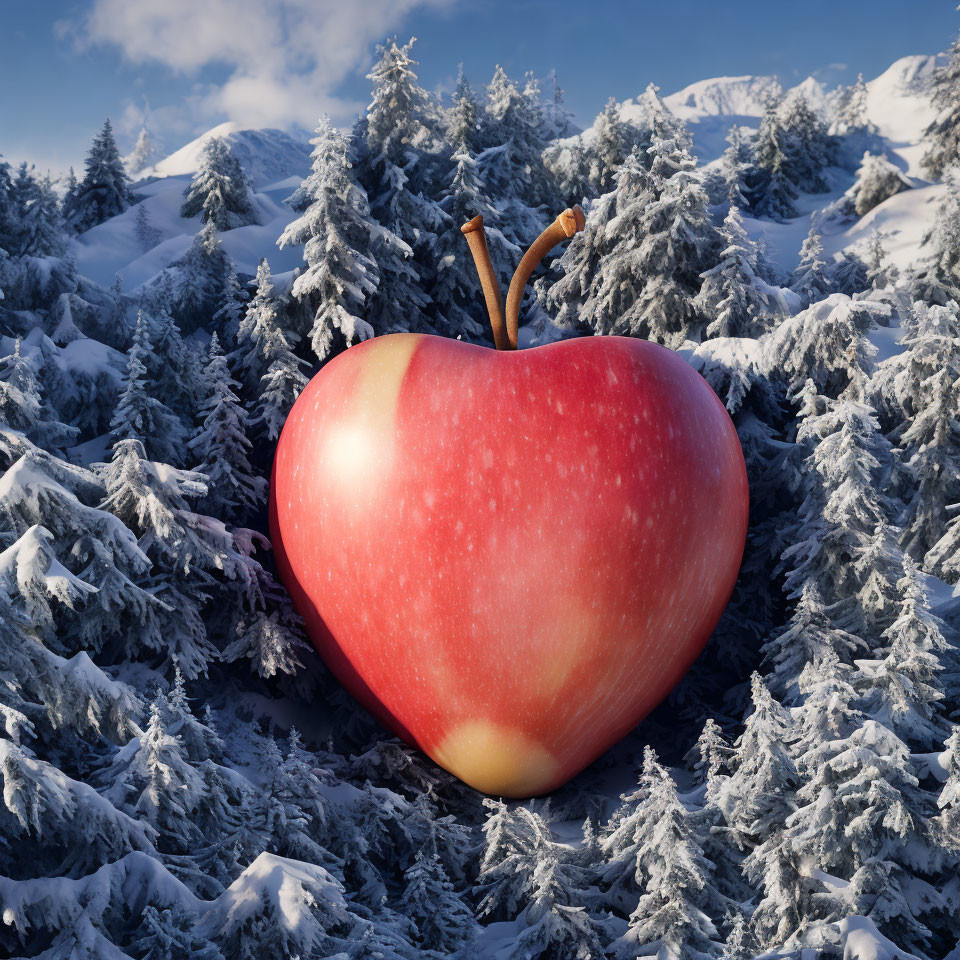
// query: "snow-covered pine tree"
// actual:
[[943, 134], [853, 115], [558, 120], [335, 228], [732, 294], [773, 192], [679, 906], [456, 294], [843, 503], [513, 121], [758, 794], [826, 344], [877, 180], [140, 415], [151, 779], [443, 922], [904, 690], [220, 192], [221, 447], [104, 191], [880, 273], [864, 819], [278, 909], [143, 155], [738, 164], [461, 120], [557, 925], [168, 934], [174, 370], [186, 549], [600, 282], [24, 408], [808, 147], [948, 801], [775, 866], [939, 280], [611, 145], [395, 148], [848, 274], [42, 231], [931, 440], [677, 244], [198, 281], [809, 280], [147, 235]]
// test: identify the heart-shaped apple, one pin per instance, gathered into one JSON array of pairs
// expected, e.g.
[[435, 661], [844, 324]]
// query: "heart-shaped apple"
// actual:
[[509, 557]]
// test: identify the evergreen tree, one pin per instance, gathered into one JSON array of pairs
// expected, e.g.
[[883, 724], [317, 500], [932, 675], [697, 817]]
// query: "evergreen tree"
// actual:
[[677, 245], [151, 779], [196, 283], [147, 235], [395, 145], [222, 446], [600, 282], [773, 193], [140, 415], [880, 274], [932, 442], [853, 116], [732, 294], [514, 122], [442, 920], [143, 155], [457, 294], [169, 935], [42, 232], [174, 371], [943, 134], [220, 192], [758, 794], [23, 406], [558, 120], [826, 344], [557, 926], [807, 147], [939, 280], [187, 550], [903, 691], [738, 167], [104, 191], [678, 900], [610, 147], [809, 280], [877, 180], [336, 230], [462, 125]]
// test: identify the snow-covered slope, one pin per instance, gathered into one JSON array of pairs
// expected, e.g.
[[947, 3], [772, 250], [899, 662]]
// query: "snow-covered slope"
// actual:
[[266, 155], [720, 96], [898, 102]]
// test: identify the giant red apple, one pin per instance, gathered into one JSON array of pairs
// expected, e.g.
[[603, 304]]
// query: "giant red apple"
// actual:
[[509, 557]]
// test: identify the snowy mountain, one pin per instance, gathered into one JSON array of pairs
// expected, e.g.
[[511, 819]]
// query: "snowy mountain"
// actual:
[[265, 155]]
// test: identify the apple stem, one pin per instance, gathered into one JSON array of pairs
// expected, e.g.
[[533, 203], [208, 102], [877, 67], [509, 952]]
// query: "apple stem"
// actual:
[[565, 226], [477, 241]]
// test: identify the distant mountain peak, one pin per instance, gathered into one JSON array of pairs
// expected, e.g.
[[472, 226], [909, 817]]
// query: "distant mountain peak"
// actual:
[[266, 155]]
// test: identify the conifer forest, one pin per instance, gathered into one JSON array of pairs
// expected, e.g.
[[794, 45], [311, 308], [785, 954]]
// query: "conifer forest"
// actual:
[[182, 778]]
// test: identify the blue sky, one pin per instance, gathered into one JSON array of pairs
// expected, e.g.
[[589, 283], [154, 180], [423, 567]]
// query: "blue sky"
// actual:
[[189, 64]]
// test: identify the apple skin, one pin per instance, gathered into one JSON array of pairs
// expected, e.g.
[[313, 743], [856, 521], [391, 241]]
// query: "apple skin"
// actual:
[[509, 557]]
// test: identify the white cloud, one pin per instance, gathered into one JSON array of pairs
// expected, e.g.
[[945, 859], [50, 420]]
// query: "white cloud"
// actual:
[[285, 59]]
